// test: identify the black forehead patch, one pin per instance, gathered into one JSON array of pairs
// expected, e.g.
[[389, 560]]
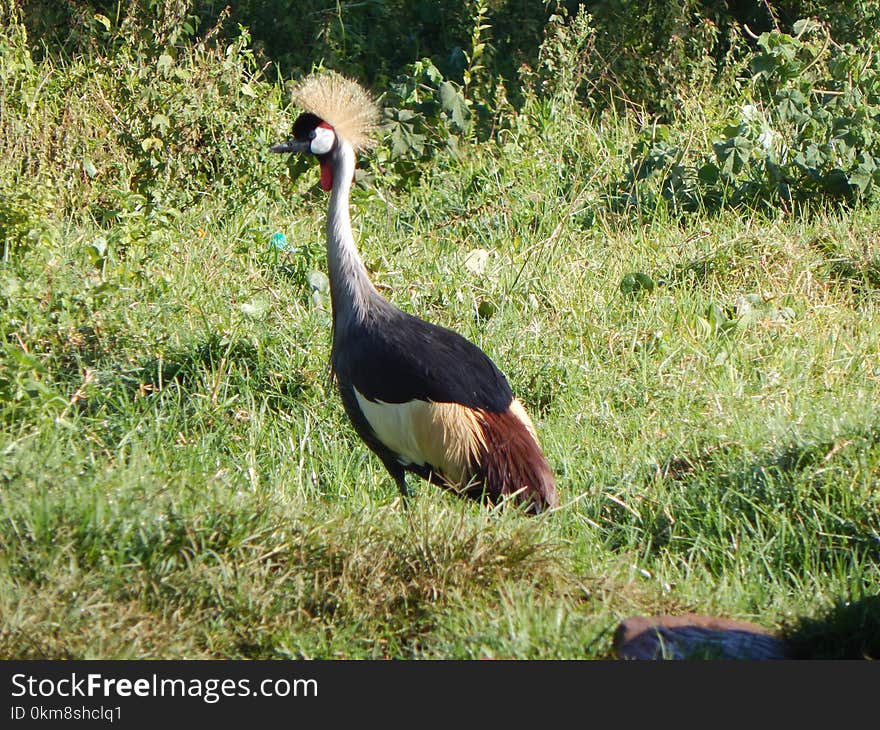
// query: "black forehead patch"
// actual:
[[304, 124]]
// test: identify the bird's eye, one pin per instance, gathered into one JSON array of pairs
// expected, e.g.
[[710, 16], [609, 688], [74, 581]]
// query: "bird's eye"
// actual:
[[312, 134]]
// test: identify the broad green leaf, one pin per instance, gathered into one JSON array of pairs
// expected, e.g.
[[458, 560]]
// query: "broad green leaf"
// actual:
[[636, 283], [97, 251], [477, 260], [455, 105], [708, 173], [486, 308], [836, 182], [160, 122], [256, 308], [318, 282], [805, 25]]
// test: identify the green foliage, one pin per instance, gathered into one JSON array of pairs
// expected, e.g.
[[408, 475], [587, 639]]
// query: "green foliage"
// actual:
[[809, 132], [636, 283], [423, 113], [151, 114], [26, 213], [818, 131], [849, 21], [565, 65], [645, 53], [649, 53]]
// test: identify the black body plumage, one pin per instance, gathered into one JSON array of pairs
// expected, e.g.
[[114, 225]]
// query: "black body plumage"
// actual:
[[396, 357]]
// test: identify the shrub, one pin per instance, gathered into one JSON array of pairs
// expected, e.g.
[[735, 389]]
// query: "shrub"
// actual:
[[151, 114], [808, 130]]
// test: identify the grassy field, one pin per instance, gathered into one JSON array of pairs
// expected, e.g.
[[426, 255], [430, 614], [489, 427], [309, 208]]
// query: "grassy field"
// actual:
[[178, 478]]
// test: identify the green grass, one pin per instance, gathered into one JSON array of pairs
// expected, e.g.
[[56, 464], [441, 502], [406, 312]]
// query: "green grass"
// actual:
[[178, 478]]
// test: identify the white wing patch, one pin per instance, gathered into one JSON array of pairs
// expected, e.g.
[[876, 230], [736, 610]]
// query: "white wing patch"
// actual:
[[445, 436], [392, 423]]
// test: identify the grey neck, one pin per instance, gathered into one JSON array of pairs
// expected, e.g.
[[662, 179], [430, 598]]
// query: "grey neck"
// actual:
[[350, 287]]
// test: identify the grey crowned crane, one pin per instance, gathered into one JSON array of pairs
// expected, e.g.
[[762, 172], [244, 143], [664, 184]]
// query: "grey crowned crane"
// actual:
[[422, 397]]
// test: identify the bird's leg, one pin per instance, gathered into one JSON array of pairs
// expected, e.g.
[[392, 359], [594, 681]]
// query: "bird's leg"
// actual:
[[398, 474], [401, 485]]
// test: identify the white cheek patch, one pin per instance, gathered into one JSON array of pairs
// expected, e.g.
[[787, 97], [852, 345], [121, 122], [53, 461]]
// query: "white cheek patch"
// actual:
[[323, 141]]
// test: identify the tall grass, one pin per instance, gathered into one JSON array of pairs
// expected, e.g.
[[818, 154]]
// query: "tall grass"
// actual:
[[178, 479]]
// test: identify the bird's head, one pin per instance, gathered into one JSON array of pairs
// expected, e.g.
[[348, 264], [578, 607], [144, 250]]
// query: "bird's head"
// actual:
[[312, 135], [337, 109]]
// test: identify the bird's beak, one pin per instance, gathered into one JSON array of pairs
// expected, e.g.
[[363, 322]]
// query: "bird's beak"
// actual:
[[291, 145]]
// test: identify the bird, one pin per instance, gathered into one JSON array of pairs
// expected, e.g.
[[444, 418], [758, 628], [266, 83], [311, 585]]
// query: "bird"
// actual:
[[423, 398]]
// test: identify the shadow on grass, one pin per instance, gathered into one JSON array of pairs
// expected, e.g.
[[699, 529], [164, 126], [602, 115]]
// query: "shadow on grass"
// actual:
[[791, 484], [720, 263], [787, 461], [859, 270], [848, 630], [240, 363]]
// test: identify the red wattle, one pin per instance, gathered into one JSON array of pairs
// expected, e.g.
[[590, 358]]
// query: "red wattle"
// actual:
[[326, 176]]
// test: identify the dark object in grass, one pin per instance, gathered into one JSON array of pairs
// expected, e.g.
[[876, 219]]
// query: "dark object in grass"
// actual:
[[695, 637]]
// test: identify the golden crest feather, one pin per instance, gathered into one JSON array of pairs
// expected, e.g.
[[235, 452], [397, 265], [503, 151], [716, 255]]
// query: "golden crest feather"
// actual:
[[344, 104]]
